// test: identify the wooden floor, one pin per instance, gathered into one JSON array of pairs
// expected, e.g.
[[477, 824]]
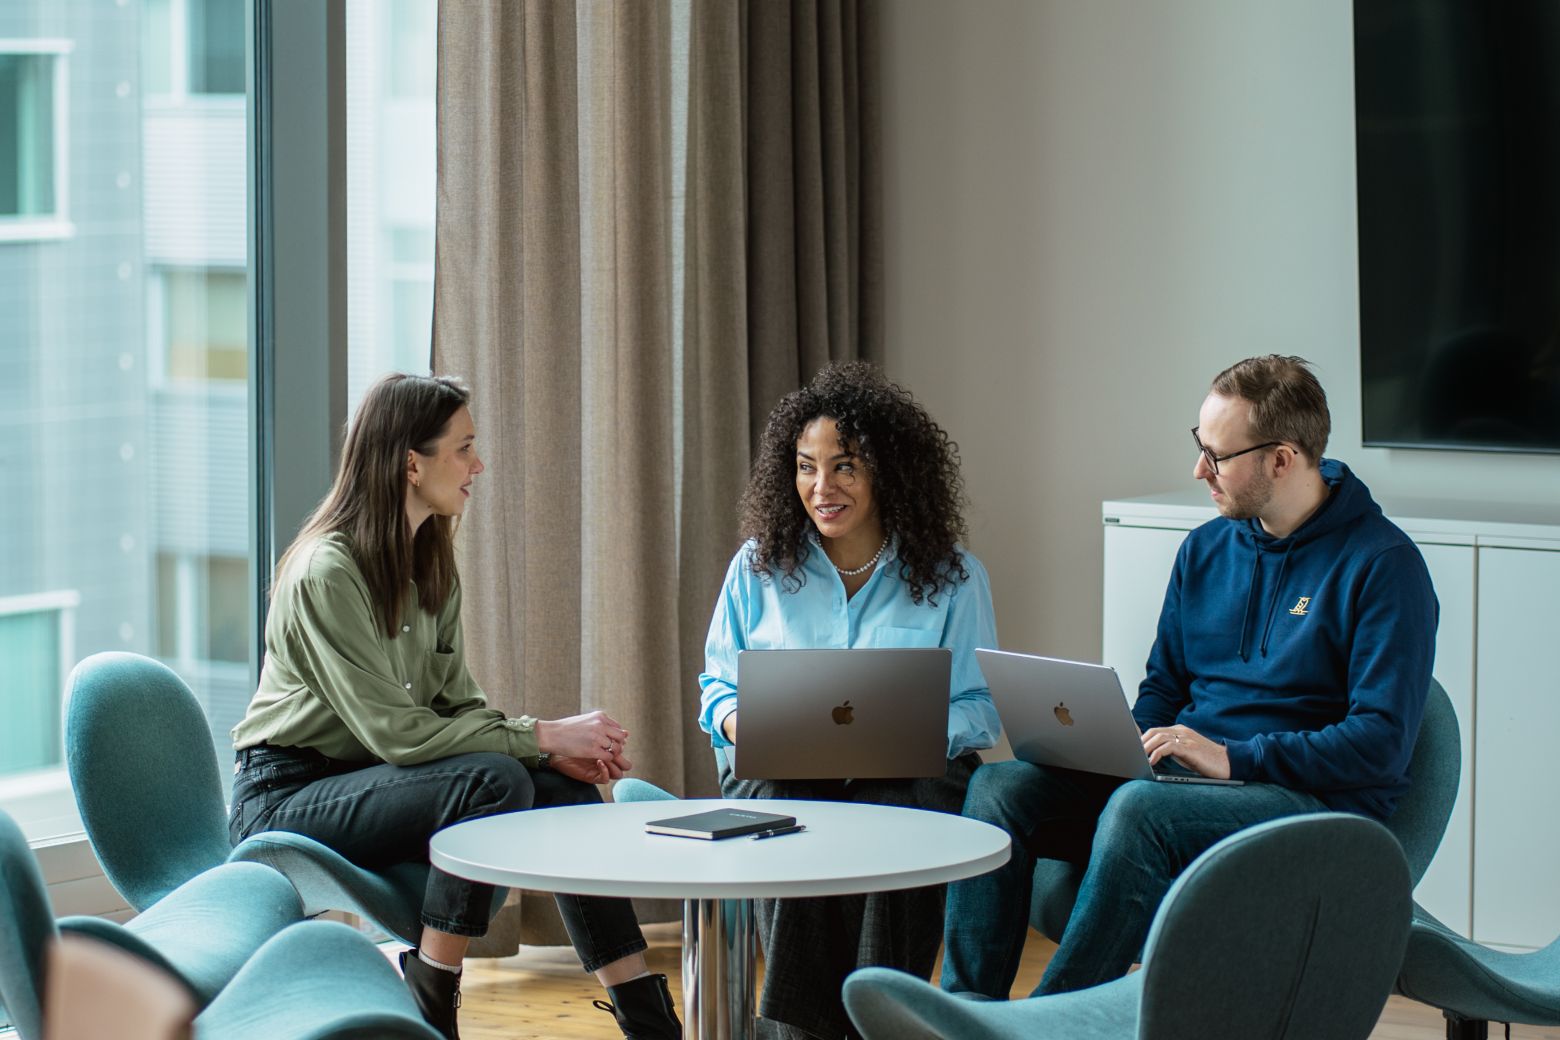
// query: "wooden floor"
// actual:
[[541, 994]]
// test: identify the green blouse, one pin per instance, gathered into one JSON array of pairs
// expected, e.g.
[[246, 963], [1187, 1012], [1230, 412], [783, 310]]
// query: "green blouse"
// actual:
[[333, 681]]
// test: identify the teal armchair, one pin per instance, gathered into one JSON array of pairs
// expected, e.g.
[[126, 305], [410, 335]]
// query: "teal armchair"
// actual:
[[139, 753], [1292, 928], [202, 933]]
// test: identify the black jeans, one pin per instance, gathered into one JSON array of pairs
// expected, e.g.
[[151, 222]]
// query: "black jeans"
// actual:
[[379, 815], [811, 945]]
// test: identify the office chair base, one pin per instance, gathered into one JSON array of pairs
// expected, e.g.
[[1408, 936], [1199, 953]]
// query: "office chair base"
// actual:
[[1459, 1028]]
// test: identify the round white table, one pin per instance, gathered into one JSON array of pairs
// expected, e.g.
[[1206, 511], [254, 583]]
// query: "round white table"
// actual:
[[603, 850]]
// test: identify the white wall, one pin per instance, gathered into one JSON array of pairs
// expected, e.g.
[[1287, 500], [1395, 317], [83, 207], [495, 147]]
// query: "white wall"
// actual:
[[1092, 208]]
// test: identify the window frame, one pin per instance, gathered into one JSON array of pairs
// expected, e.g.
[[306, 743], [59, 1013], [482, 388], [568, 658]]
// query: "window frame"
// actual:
[[295, 105], [56, 225]]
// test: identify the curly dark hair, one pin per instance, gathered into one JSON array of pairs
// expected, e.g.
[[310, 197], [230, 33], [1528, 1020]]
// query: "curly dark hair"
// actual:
[[913, 464]]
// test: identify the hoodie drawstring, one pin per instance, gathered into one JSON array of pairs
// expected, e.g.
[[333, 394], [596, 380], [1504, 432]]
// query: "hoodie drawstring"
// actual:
[[1278, 585], [1251, 594]]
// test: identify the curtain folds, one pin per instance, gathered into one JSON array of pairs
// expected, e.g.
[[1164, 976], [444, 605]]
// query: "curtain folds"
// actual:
[[813, 175], [655, 218]]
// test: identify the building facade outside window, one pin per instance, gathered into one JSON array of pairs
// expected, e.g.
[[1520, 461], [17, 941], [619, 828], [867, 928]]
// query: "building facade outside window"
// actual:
[[123, 364]]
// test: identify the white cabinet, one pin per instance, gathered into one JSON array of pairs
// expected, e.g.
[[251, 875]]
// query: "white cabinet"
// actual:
[[1516, 888], [1494, 576], [1136, 558]]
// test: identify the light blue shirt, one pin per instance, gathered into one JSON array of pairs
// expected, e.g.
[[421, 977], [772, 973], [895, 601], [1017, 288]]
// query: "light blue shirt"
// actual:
[[758, 613]]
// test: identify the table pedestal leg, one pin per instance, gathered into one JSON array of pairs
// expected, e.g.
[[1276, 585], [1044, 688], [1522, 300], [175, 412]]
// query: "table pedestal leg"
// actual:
[[718, 969]]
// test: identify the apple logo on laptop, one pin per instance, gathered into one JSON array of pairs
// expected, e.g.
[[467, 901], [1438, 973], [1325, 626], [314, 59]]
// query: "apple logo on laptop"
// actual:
[[844, 715], [1062, 714]]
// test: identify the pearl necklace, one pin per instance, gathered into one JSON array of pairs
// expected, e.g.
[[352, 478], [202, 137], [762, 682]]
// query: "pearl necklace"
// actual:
[[864, 567]]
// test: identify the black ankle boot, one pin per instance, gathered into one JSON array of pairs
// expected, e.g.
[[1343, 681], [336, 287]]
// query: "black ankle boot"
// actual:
[[436, 991], [643, 1009]]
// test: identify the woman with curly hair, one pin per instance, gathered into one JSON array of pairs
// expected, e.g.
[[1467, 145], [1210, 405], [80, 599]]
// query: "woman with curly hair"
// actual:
[[852, 525]]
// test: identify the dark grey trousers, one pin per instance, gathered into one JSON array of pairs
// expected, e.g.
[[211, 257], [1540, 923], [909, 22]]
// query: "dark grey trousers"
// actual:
[[377, 815], [810, 945]]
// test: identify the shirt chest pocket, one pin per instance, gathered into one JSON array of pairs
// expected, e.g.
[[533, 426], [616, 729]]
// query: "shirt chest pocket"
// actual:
[[896, 636], [436, 669]]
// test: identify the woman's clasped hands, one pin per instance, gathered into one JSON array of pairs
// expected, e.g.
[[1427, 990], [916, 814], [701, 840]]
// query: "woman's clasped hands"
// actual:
[[585, 747]]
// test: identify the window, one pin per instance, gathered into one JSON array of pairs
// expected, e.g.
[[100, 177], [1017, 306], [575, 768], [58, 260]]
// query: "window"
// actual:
[[202, 613], [412, 31], [216, 46], [392, 52], [32, 140], [193, 47], [201, 324], [36, 648], [123, 373]]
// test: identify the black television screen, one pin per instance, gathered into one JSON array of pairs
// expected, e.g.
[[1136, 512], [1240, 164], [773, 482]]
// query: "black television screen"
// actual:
[[1458, 145]]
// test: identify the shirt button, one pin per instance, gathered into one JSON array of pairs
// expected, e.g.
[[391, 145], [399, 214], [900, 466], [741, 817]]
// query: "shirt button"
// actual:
[[406, 628], [408, 686]]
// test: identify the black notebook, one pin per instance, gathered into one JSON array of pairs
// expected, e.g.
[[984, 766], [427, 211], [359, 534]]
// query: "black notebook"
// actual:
[[719, 823]]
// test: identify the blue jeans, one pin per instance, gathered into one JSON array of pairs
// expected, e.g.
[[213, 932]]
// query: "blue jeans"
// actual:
[[1133, 838], [378, 814]]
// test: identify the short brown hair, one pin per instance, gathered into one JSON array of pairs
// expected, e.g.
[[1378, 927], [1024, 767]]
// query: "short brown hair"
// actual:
[[1287, 403]]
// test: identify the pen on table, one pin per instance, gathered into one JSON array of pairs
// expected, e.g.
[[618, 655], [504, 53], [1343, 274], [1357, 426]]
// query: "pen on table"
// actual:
[[777, 831]]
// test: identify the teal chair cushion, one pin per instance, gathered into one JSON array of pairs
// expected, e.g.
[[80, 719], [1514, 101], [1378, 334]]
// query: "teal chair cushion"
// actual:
[[1446, 970], [318, 980], [633, 789], [207, 928], [885, 1003], [326, 880]]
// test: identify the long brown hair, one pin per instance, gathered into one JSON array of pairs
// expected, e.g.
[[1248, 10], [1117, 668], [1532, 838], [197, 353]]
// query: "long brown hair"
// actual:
[[367, 502]]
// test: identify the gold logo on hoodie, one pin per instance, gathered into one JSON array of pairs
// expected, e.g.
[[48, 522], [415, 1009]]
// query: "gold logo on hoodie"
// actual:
[[1298, 610]]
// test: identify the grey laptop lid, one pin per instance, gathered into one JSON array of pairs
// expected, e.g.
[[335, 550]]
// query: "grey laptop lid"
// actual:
[[1070, 714], [842, 714]]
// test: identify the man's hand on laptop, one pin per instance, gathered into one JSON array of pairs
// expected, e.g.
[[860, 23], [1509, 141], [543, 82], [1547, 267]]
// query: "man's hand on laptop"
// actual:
[[728, 727], [1188, 747]]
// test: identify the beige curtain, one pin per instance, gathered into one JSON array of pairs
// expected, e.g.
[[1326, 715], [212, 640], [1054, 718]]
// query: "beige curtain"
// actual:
[[594, 546], [784, 258], [813, 176]]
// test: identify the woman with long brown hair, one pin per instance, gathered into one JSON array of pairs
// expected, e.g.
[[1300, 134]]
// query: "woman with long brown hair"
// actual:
[[367, 732]]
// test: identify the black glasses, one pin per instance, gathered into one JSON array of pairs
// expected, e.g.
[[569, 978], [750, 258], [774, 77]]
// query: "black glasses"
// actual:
[[1214, 460]]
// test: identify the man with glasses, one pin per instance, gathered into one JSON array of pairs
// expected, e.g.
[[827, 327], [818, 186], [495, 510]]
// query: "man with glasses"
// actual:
[[1293, 653]]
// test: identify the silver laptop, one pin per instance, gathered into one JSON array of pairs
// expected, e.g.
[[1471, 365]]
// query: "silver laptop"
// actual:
[[842, 714], [1073, 715]]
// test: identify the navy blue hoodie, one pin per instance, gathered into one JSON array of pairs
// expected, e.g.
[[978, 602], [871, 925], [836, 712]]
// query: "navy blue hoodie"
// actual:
[[1308, 656]]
